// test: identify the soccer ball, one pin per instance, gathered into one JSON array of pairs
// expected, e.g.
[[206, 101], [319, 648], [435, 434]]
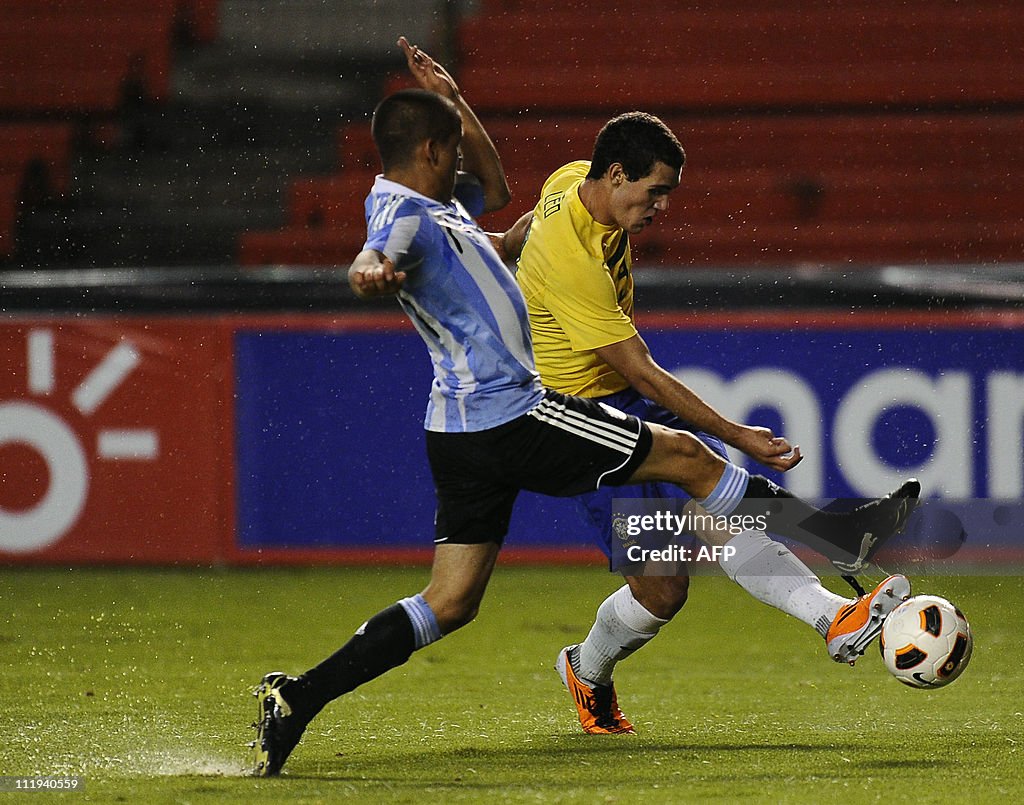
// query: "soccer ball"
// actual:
[[926, 642]]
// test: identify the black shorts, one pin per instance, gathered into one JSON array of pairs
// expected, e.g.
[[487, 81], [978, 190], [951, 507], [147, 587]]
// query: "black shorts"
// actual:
[[564, 446]]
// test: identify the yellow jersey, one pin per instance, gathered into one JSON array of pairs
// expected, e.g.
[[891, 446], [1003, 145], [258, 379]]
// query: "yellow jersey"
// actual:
[[576, 276]]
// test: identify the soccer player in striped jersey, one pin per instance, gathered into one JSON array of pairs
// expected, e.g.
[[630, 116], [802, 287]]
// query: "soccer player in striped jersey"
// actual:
[[492, 429], [574, 267]]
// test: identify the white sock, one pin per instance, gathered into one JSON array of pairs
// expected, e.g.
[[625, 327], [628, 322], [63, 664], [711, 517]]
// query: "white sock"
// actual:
[[623, 625], [772, 574]]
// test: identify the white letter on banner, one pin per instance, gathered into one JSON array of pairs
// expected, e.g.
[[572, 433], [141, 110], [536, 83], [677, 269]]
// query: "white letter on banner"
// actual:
[[788, 394], [1005, 435], [947, 403]]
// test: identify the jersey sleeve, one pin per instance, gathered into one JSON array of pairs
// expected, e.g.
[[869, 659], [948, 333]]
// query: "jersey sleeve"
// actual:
[[401, 236], [581, 296], [470, 193]]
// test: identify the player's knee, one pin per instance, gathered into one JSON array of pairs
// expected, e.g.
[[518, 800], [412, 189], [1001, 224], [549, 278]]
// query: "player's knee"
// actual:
[[693, 462], [688, 448]]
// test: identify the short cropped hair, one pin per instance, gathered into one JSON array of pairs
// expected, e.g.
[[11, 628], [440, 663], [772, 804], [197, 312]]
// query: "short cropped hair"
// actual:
[[409, 117], [637, 141]]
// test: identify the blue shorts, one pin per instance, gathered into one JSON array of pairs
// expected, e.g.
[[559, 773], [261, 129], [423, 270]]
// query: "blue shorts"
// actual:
[[596, 507]]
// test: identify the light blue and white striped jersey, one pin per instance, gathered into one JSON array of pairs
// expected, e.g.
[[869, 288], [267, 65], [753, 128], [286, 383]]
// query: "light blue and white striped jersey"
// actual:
[[463, 301]]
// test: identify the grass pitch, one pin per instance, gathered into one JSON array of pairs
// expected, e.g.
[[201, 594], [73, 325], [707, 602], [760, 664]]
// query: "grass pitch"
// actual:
[[138, 680]]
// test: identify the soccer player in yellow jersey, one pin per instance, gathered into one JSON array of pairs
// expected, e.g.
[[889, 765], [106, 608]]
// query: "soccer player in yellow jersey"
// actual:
[[574, 268], [577, 281]]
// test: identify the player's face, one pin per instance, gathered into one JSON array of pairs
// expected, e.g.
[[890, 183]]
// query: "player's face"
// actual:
[[635, 205]]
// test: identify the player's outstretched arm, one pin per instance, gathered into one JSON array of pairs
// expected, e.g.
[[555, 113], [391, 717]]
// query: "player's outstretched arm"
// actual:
[[632, 359], [372, 274], [479, 156]]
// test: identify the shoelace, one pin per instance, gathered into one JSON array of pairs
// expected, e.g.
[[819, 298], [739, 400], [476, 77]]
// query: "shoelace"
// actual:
[[857, 587], [602, 707]]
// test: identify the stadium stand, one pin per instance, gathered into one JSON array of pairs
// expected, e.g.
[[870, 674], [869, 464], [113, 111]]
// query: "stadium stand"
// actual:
[[78, 56], [35, 164], [764, 57], [67, 68], [854, 132], [9, 189], [43, 147], [859, 132]]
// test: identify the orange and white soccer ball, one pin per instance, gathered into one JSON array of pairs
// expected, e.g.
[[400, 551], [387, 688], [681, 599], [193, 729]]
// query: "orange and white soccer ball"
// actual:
[[926, 642]]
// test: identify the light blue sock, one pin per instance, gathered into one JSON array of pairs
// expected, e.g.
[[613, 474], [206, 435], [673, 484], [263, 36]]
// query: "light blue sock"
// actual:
[[728, 493], [424, 624]]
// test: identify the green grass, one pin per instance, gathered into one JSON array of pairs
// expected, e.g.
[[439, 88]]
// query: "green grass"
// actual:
[[139, 681]]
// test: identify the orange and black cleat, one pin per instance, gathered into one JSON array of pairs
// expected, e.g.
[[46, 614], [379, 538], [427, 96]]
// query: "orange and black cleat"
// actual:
[[858, 623], [597, 706]]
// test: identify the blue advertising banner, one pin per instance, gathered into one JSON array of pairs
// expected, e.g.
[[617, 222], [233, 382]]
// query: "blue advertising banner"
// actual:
[[869, 406], [330, 446], [329, 432]]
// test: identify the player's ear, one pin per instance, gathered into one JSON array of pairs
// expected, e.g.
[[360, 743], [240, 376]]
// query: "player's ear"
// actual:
[[616, 174], [431, 150]]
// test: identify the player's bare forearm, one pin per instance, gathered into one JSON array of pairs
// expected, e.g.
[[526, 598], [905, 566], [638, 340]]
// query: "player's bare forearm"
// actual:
[[479, 156], [759, 443], [632, 360], [509, 244], [372, 274]]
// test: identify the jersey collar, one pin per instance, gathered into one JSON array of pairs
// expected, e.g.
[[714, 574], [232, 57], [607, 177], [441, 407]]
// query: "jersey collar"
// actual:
[[382, 185]]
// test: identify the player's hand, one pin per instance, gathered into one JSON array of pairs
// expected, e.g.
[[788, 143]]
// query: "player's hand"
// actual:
[[427, 72], [768, 449], [375, 280]]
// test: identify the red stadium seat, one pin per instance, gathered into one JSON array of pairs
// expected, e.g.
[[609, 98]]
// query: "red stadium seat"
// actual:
[[199, 16], [78, 60], [202, 18], [785, 244], [301, 246], [792, 178], [48, 143], [863, 132], [716, 59], [78, 57], [10, 187], [956, 142], [329, 201]]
